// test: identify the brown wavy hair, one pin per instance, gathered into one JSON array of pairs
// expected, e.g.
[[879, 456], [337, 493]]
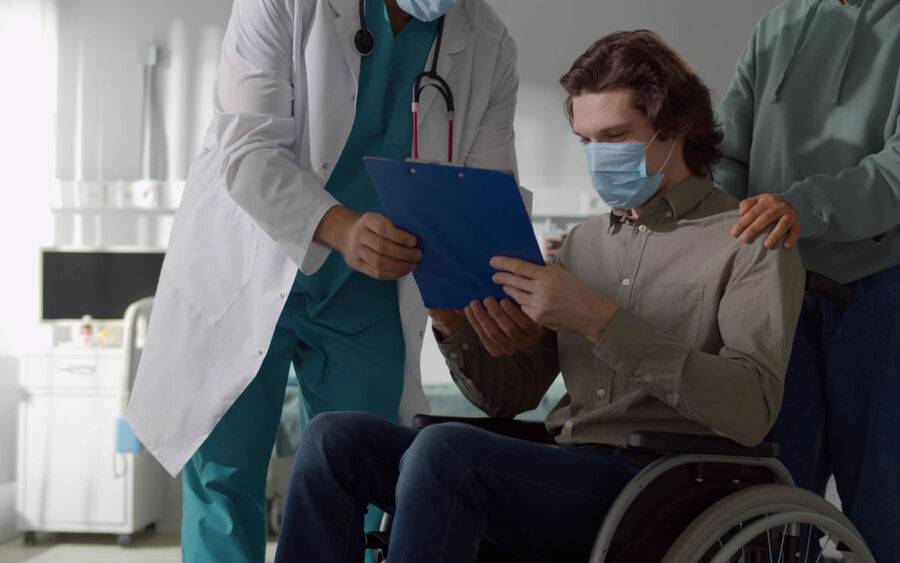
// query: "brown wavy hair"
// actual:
[[667, 91]]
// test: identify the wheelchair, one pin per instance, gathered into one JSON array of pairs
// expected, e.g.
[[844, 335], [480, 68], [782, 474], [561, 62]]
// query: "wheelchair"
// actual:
[[698, 499]]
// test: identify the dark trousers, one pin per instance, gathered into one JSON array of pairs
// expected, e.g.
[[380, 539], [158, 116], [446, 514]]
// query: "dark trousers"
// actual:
[[448, 487], [841, 411]]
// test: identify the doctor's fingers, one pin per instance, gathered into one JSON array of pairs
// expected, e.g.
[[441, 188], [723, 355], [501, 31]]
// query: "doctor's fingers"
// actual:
[[495, 342], [381, 225], [383, 267], [389, 248], [509, 327]]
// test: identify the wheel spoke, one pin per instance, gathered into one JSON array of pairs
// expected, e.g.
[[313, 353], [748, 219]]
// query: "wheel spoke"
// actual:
[[769, 545], [808, 540], [781, 547]]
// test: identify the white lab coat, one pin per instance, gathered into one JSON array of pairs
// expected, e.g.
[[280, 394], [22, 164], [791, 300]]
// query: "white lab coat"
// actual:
[[284, 107]]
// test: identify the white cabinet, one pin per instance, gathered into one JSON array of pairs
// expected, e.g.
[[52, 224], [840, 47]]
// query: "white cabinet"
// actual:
[[70, 477]]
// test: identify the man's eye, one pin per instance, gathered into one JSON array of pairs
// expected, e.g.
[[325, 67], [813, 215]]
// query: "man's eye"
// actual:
[[583, 141]]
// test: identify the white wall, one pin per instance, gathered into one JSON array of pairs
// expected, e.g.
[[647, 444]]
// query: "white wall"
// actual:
[[27, 63], [101, 81]]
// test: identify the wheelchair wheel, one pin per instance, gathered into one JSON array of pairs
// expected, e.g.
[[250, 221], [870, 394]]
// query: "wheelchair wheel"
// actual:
[[769, 523]]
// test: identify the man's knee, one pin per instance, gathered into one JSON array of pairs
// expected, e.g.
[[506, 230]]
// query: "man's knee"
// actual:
[[444, 451], [333, 439]]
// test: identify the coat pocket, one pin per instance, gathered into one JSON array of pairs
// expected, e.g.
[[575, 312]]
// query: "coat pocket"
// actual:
[[212, 251]]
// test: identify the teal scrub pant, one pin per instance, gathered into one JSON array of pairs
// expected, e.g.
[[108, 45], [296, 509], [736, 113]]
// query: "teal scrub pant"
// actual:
[[224, 483]]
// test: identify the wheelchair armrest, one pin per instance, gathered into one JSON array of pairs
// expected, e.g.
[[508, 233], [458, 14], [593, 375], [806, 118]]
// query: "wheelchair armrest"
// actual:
[[531, 431], [676, 443]]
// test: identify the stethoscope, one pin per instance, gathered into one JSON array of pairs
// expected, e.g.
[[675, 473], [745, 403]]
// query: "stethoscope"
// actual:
[[364, 41]]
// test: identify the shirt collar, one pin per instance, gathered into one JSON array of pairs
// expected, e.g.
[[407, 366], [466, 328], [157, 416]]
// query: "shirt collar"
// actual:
[[678, 201]]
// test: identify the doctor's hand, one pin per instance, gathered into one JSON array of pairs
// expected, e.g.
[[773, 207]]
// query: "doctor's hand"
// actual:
[[369, 243], [759, 212], [554, 297]]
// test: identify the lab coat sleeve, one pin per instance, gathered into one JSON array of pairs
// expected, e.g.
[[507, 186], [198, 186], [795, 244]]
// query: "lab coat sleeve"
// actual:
[[736, 116], [255, 131], [856, 203], [494, 144]]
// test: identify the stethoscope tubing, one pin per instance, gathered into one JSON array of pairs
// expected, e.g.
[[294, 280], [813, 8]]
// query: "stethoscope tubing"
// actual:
[[364, 41]]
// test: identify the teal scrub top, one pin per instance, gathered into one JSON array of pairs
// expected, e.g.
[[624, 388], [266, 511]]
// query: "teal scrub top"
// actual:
[[336, 295]]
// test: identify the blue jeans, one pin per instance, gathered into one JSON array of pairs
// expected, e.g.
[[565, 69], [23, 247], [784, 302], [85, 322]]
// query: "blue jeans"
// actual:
[[841, 410], [448, 487]]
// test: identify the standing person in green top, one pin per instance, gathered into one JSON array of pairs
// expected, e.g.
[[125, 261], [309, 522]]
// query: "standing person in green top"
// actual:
[[812, 147], [280, 252]]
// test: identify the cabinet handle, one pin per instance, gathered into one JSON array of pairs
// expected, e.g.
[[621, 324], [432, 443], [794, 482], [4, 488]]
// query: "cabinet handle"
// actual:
[[78, 369]]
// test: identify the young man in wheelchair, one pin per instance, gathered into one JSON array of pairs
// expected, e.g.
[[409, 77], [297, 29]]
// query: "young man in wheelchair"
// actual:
[[657, 317]]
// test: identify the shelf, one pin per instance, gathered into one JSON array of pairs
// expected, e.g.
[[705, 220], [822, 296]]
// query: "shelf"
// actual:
[[111, 209]]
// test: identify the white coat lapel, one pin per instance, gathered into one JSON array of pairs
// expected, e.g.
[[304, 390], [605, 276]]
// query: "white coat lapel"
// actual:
[[346, 24]]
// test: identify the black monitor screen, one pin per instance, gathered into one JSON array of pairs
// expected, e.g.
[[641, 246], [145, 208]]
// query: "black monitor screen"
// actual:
[[100, 284]]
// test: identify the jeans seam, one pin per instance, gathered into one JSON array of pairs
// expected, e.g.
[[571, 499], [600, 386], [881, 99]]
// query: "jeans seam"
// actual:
[[450, 516]]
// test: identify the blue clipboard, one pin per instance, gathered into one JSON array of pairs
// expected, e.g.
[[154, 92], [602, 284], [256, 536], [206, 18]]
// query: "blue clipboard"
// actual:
[[462, 218]]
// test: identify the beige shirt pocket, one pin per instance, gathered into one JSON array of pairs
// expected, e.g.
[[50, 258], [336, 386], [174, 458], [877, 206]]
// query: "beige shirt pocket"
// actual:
[[672, 308]]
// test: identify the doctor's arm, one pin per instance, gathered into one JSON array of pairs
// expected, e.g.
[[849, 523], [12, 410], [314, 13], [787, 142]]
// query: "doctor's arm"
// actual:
[[736, 115], [256, 134], [255, 130]]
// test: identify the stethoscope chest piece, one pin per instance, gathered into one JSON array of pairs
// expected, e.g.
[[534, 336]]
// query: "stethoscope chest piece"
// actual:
[[364, 42]]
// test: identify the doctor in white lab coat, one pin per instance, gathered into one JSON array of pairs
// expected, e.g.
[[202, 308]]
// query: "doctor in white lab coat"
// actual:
[[259, 207]]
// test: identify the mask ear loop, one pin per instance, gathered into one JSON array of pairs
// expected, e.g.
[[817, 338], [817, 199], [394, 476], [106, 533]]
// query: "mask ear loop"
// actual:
[[668, 157]]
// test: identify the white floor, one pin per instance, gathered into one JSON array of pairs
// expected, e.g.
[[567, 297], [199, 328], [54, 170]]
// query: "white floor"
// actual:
[[82, 548]]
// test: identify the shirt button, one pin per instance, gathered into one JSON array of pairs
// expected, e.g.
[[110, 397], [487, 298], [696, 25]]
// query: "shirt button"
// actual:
[[626, 281], [643, 228], [669, 214], [569, 424], [465, 347], [601, 393], [260, 353], [280, 296], [453, 354], [324, 164]]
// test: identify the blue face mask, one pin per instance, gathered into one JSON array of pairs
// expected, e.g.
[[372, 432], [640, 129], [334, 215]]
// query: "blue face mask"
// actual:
[[426, 10], [619, 172]]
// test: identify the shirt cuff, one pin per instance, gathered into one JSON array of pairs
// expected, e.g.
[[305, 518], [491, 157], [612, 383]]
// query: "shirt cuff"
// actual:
[[811, 223], [624, 344]]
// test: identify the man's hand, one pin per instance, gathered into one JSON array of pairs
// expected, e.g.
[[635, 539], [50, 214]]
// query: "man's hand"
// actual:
[[554, 297], [502, 327], [759, 212], [369, 243]]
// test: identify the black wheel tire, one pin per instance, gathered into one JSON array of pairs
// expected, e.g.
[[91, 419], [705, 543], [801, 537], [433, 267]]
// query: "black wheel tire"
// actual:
[[29, 539], [125, 540], [151, 529]]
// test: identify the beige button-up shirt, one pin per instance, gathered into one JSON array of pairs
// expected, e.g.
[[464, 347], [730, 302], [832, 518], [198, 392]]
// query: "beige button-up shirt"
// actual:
[[700, 343]]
